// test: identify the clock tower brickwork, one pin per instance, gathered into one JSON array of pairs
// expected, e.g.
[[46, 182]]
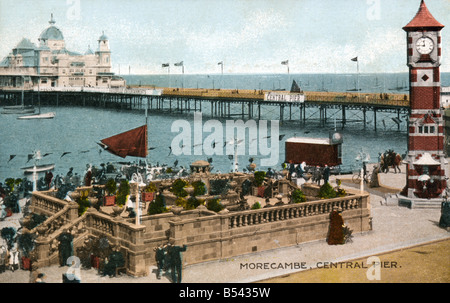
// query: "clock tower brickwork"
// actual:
[[426, 159]]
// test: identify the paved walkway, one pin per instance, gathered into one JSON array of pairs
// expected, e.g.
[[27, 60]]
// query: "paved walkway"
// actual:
[[394, 228]]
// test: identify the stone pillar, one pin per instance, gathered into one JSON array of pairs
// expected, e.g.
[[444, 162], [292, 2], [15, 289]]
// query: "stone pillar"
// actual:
[[73, 211], [42, 248], [137, 265]]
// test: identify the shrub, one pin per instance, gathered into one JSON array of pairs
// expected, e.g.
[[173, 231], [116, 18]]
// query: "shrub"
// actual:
[[246, 187], [326, 191], [111, 187], [8, 234], [26, 243], [193, 203], [298, 196], [150, 188], [256, 205], [158, 206], [123, 192], [259, 177], [199, 188], [214, 205], [178, 188], [218, 186], [83, 202]]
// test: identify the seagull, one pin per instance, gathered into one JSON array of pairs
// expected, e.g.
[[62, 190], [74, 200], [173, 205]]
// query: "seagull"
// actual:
[[65, 153]]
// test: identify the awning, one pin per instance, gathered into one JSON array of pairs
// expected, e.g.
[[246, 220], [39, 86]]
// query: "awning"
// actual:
[[426, 159]]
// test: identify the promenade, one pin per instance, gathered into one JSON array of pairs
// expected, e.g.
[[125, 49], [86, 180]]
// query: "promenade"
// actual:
[[394, 228]]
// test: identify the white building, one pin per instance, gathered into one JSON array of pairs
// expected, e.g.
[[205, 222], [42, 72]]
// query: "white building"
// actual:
[[50, 64], [445, 96]]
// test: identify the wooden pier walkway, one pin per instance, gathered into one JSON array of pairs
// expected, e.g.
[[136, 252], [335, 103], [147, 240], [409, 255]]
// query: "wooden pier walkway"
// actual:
[[222, 103]]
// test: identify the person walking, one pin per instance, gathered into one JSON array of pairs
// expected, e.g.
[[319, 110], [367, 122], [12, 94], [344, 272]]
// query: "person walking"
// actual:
[[326, 174], [14, 260], [159, 256], [176, 262], [3, 254]]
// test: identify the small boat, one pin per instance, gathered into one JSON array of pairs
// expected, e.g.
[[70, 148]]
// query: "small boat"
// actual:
[[18, 109], [49, 115], [39, 168]]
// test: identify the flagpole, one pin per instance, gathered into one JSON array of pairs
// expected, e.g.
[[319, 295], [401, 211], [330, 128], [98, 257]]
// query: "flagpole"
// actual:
[[357, 74]]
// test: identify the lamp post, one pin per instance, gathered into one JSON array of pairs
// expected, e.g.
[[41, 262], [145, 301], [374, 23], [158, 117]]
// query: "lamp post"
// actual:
[[364, 158], [168, 70], [137, 184], [182, 70]]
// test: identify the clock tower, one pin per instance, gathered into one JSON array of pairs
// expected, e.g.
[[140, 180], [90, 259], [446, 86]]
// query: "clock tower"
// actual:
[[426, 159]]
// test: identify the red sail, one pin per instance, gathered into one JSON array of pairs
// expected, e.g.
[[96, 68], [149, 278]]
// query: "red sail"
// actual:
[[130, 143]]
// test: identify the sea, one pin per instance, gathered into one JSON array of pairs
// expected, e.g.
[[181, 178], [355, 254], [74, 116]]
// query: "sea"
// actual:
[[70, 139]]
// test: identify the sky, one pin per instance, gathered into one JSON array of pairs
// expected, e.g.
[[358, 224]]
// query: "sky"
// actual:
[[248, 36]]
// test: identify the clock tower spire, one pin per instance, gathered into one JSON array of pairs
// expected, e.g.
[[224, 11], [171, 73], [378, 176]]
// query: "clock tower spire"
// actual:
[[426, 160]]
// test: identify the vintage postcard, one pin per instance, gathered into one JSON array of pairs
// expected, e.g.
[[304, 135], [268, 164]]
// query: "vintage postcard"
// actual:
[[224, 141]]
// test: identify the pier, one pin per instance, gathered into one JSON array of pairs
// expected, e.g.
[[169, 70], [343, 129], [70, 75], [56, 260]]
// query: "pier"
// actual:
[[324, 107]]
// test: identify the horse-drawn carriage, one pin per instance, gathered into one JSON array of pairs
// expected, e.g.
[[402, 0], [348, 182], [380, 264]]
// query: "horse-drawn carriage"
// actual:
[[390, 159]]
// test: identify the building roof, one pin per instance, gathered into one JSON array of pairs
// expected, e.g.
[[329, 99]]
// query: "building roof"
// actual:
[[426, 159], [89, 51], [51, 33], [423, 19], [103, 37], [25, 43], [323, 141]]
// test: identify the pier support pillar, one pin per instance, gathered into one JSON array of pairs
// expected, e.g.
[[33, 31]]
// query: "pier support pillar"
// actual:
[[375, 119]]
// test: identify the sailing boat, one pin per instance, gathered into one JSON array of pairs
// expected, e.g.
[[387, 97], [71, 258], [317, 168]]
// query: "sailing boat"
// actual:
[[400, 88], [130, 143], [36, 168], [354, 89], [49, 115], [19, 109]]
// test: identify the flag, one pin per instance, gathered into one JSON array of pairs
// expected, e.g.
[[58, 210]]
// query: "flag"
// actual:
[[179, 63], [285, 62], [165, 65], [65, 153], [355, 59], [220, 63], [30, 156]]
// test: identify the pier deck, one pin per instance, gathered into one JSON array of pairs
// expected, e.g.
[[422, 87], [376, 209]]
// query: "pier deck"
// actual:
[[222, 103]]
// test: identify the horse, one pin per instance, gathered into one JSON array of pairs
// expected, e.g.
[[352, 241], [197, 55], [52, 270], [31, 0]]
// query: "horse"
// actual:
[[390, 158]]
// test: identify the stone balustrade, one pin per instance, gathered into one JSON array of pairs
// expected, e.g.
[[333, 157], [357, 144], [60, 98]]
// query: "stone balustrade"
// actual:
[[291, 211], [42, 202]]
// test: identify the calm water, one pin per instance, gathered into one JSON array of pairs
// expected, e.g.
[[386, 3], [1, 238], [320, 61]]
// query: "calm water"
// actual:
[[76, 130]]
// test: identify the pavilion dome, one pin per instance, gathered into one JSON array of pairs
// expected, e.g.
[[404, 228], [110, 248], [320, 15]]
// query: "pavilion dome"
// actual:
[[103, 37], [52, 32]]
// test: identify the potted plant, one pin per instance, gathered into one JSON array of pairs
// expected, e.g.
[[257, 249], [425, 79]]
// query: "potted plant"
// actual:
[[122, 196], [26, 243], [83, 202], [298, 196], [110, 191], [258, 182], [148, 193], [178, 188]]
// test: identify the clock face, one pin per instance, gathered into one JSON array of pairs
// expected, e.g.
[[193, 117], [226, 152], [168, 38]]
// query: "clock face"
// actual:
[[424, 45]]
